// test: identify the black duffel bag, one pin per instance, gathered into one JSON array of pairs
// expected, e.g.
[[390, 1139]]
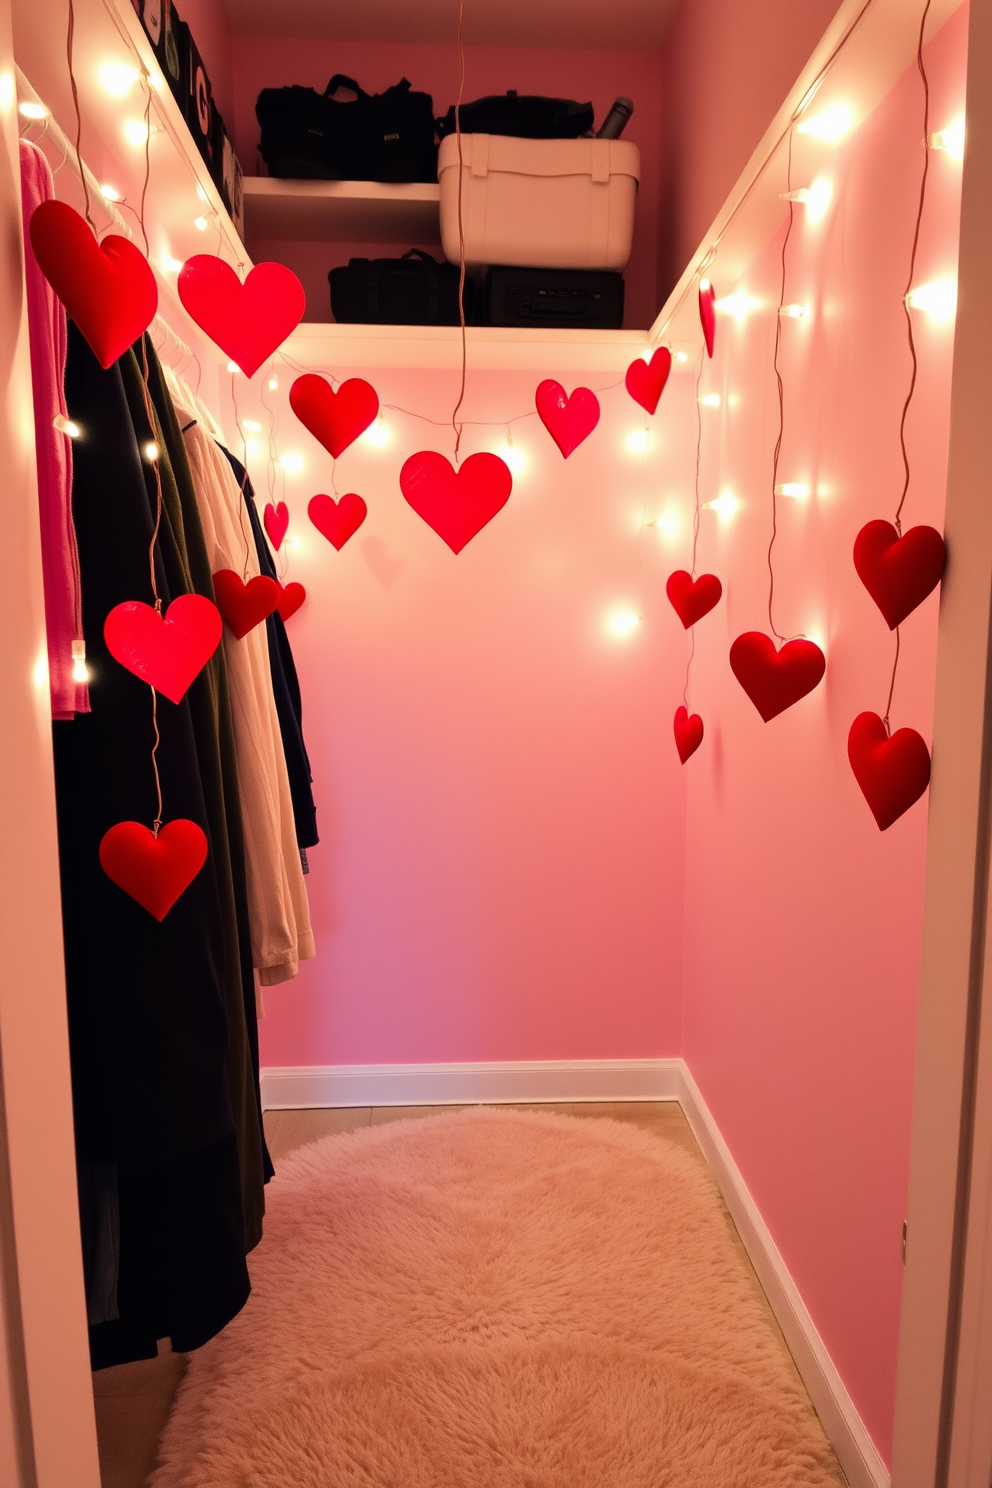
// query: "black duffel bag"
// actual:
[[412, 290], [313, 136], [526, 117]]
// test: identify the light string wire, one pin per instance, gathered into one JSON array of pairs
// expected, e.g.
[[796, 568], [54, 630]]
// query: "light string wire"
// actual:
[[242, 499], [907, 471], [456, 426], [70, 35], [781, 397], [695, 516]]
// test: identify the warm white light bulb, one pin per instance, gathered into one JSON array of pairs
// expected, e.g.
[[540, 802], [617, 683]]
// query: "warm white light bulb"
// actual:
[[710, 400], [950, 139], [233, 367], [135, 131], [637, 441], [170, 265], [79, 669], [31, 110], [200, 192], [725, 506], [818, 199], [66, 426], [938, 299], [201, 223], [110, 193], [252, 448], [831, 124], [681, 356], [273, 384], [801, 194], [291, 462], [623, 623], [150, 451], [252, 425], [669, 524], [793, 312], [738, 304], [792, 488], [377, 434], [118, 78]]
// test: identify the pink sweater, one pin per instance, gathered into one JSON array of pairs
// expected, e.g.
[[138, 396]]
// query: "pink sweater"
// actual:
[[59, 556]]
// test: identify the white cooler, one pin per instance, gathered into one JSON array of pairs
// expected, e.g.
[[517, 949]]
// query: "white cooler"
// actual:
[[542, 204]]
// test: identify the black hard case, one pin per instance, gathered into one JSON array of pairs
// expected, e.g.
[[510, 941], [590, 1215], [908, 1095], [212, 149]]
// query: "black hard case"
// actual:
[[586, 299]]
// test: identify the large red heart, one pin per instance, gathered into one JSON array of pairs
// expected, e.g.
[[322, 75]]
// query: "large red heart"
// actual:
[[335, 418], [166, 651], [291, 596], [108, 288], [707, 314], [276, 519], [645, 381], [245, 605], [457, 504], [892, 772], [688, 732], [568, 420], [154, 870], [337, 520], [691, 598], [774, 680], [247, 321], [898, 572]]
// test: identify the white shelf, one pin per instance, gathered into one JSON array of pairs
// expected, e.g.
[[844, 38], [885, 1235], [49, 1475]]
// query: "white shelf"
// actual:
[[342, 211], [322, 346]]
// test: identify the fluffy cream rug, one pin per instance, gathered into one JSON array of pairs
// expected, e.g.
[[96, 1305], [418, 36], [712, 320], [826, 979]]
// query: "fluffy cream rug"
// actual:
[[495, 1299]]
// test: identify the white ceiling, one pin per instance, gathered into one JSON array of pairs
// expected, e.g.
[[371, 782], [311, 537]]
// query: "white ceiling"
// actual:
[[626, 25]]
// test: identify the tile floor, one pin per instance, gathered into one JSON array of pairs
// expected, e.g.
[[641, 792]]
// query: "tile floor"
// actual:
[[133, 1400]]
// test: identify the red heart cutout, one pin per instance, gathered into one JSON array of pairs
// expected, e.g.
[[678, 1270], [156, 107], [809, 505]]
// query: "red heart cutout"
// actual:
[[688, 732], [457, 504], [154, 870], [645, 381], [691, 598], [108, 288], [892, 772], [245, 605], [166, 651], [276, 519], [774, 680], [568, 420], [898, 572], [247, 321], [707, 313], [337, 520], [291, 596], [335, 418]]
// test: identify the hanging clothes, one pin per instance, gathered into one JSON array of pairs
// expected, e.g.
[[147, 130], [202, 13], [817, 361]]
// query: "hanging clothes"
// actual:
[[59, 553], [213, 729], [147, 1001], [277, 898], [285, 683]]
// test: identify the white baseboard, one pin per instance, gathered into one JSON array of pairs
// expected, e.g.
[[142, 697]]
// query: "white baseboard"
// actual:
[[854, 1447], [554, 1081], [469, 1084]]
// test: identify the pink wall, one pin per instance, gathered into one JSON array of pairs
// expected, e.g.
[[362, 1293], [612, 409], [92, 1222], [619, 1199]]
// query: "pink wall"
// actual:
[[803, 922], [502, 816], [261, 62], [727, 67]]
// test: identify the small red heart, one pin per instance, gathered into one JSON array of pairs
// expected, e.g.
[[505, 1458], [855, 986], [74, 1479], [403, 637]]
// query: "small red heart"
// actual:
[[707, 314], [898, 572], [774, 680], [166, 651], [691, 598], [291, 596], [154, 870], [276, 519], [108, 288], [456, 504], [337, 520], [892, 772], [245, 605], [688, 732], [335, 418], [247, 321], [645, 381], [568, 420]]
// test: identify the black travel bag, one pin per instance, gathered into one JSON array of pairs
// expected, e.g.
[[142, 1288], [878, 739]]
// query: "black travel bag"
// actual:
[[412, 290], [523, 117], [587, 299], [314, 136]]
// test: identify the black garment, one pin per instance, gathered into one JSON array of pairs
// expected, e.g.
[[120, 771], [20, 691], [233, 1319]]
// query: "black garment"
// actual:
[[146, 1000], [285, 683]]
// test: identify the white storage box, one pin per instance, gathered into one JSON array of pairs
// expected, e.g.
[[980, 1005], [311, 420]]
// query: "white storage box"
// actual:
[[547, 204]]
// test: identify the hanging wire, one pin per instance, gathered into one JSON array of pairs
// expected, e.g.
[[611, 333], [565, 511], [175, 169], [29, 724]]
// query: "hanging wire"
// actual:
[[70, 34], [456, 426], [781, 397], [242, 499]]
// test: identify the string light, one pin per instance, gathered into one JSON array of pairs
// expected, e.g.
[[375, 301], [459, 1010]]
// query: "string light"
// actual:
[[950, 139], [291, 462], [637, 441], [233, 368], [251, 448], [793, 312], [252, 425], [118, 79], [66, 426], [170, 265], [738, 304], [80, 672], [792, 488], [150, 451], [273, 384], [710, 400], [110, 193], [513, 457], [31, 110], [680, 356], [623, 623], [725, 506], [200, 192], [818, 197], [938, 299], [136, 132], [377, 434], [831, 125]]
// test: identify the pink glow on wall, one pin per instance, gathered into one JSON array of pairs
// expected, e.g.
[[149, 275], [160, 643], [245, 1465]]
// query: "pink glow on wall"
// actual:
[[502, 818], [803, 922], [265, 62]]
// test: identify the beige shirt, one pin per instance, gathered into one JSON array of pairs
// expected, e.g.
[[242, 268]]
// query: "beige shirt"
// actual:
[[278, 911]]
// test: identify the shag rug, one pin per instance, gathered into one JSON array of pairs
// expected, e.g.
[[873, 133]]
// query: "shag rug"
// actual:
[[495, 1299]]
